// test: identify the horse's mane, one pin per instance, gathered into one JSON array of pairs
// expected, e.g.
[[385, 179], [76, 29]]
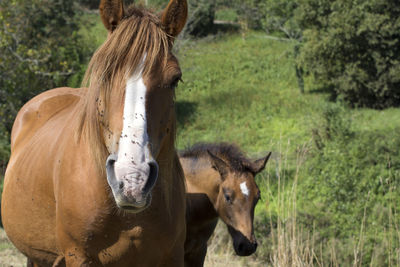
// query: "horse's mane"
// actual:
[[229, 152], [139, 36]]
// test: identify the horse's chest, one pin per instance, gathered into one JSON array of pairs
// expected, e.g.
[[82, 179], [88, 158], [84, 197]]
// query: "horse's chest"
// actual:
[[129, 242]]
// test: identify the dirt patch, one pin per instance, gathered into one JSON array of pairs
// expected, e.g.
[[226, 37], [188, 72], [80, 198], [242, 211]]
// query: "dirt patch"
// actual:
[[9, 255]]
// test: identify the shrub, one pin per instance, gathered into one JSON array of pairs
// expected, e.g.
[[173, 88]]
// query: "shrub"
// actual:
[[251, 12], [201, 17], [280, 17], [39, 49], [353, 49], [352, 185], [91, 4]]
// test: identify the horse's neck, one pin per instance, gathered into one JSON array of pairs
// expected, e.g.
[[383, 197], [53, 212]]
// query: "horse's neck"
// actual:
[[170, 176], [201, 177]]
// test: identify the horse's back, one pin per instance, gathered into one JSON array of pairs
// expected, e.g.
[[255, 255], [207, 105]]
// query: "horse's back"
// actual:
[[28, 202], [39, 110]]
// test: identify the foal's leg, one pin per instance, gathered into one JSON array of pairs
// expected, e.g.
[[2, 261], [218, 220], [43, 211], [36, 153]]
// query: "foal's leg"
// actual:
[[196, 257]]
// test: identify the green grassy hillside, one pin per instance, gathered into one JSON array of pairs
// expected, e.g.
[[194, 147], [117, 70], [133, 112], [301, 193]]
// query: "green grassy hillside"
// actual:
[[242, 90]]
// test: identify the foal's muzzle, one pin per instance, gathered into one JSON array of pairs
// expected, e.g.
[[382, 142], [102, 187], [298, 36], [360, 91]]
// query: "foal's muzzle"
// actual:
[[131, 183], [242, 245]]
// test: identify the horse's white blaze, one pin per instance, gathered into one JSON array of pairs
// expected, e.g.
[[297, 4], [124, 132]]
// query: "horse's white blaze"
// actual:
[[244, 189], [133, 143]]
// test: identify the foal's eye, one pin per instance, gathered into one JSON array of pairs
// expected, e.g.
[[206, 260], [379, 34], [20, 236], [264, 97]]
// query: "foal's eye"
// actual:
[[228, 198], [228, 195]]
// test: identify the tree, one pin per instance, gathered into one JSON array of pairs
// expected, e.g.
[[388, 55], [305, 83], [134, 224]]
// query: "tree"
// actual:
[[353, 49], [39, 50], [201, 18]]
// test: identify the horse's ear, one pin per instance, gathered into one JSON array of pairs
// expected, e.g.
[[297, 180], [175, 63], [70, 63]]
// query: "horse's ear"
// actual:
[[219, 165], [259, 164], [111, 12], [174, 17]]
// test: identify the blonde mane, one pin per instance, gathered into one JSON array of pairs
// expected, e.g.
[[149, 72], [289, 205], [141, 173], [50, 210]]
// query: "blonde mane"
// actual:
[[138, 36]]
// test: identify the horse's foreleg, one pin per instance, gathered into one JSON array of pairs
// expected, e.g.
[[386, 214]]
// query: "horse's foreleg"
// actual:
[[60, 262], [74, 257], [176, 257]]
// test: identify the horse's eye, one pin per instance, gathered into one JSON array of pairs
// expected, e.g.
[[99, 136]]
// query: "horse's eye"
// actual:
[[175, 83]]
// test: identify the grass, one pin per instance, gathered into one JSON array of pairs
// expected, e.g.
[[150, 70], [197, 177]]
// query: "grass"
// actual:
[[242, 90], [226, 14]]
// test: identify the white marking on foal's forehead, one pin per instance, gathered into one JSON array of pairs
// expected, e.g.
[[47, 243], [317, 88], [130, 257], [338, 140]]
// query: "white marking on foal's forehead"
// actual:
[[244, 189]]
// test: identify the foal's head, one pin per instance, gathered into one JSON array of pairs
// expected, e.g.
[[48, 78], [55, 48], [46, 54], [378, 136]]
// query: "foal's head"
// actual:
[[130, 99], [237, 197]]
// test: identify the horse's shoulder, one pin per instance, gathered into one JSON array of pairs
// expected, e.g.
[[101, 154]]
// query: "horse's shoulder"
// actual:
[[40, 109]]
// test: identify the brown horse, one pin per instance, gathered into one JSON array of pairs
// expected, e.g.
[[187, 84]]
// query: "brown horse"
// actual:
[[220, 183], [94, 178]]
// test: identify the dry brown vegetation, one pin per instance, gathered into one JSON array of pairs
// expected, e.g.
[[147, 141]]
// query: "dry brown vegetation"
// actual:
[[9, 255]]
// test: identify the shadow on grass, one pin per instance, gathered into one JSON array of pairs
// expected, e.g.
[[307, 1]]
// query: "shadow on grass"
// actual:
[[225, 27], [185, 111], [325, 90], [218, 28]]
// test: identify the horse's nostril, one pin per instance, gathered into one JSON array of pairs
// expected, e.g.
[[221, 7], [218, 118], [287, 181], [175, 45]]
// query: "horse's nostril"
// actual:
[[121, 185], [153, 174]]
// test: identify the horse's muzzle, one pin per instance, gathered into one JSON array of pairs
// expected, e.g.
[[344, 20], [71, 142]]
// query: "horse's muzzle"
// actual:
[[131, 183]]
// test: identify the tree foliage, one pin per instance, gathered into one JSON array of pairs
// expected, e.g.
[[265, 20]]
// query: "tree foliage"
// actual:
[[91, 4], [39, 50], [353, 49], [279, 16], [201, 17]]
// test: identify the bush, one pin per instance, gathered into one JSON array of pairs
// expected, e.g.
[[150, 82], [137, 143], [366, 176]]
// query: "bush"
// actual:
[[352, 186], [201, 17], [280, 17], [91, 4], [251, 12], [353, 49], [4, 149], [39, 49]]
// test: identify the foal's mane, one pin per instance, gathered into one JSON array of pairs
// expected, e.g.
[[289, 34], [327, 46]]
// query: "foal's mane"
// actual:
[[139, 36], [229, 152]]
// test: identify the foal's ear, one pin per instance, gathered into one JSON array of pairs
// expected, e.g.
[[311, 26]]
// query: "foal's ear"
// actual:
[[174, 17], [259, 164], [219, 165], [111, 12]]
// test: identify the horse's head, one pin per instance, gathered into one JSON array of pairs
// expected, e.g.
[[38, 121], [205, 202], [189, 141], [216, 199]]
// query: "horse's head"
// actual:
[[237, 197], [133, 76]]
